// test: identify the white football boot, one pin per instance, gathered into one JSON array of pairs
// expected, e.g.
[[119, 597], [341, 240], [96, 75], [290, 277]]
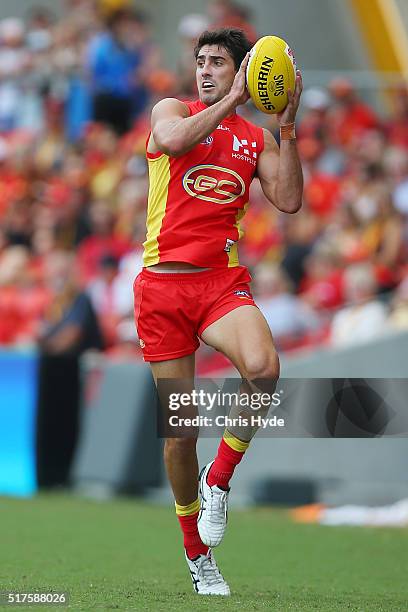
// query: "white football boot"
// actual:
[[206, 577], [213, 516]]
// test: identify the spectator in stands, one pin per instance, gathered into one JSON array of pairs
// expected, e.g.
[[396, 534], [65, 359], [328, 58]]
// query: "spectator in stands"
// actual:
[[322, 284], [102, 241], [103, 291], [113, 61], [365, 317], [130, 209], [70, 325], [316, 104], [321, 191], [345, 235], [315, 129], [109, 163], [228, 14], [70, 83], [14, 64], [350, 117], [299, 237], [367, 190], [22, 299], [40, 80], [43, 244], [17, 223], [70, 328], [368, 149], [154, 80], [397, 125], [380, 224], [39, 29], [112, 295], [388, 242], [52, 146], [13, 263], [286, 314]]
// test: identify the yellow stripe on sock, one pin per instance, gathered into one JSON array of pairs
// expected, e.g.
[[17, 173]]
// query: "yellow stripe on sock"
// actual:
[[187, 510], [235, 443]]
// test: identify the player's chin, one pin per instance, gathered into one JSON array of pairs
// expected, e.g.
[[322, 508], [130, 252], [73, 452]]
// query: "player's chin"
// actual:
[[209, 97]]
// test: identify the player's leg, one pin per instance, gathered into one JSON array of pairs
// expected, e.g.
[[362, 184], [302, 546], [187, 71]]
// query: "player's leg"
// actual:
[[180, 455], [166, 316], [244, 337], [180, 458], [168, 340]]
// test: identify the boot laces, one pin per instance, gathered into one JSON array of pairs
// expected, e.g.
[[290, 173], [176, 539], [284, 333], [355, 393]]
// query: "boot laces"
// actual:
[[218, 505], [207, 570]]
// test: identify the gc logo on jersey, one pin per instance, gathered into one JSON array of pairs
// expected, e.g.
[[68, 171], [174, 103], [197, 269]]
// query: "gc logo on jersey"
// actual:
[[213, 184]]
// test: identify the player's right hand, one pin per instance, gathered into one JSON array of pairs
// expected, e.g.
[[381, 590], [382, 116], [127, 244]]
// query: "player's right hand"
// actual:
[[288, 115], [239, 91]]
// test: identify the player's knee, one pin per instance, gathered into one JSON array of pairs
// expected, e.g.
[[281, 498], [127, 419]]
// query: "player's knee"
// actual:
[[180, 447], [263, 365]]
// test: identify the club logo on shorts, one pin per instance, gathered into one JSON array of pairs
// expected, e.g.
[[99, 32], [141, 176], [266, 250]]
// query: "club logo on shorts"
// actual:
[[142, 343], [242, 294], [213, 184], [228, 244]]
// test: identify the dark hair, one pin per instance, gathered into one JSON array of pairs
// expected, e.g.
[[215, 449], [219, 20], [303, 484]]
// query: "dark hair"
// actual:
[[232, 40]]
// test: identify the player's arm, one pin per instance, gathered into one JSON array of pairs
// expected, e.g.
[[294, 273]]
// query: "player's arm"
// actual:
[[279, 169], [175, 132], [280, 174]]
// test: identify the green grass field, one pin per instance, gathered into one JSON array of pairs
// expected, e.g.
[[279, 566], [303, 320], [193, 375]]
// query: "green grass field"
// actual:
[[127, 555]]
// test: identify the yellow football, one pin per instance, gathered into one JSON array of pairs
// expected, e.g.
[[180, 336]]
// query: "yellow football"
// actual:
[[271, 71]]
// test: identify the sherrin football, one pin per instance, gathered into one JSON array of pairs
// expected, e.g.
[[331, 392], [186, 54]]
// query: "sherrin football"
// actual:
[[271, 71]]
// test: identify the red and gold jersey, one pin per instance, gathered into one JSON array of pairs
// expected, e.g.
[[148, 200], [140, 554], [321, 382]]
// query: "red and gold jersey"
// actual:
[[197, 200]]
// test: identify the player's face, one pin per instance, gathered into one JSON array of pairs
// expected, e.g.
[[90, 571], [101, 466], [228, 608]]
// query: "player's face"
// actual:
[[215, 73]]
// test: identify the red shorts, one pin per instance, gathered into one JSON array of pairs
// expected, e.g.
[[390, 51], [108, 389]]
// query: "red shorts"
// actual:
[[173, 310]]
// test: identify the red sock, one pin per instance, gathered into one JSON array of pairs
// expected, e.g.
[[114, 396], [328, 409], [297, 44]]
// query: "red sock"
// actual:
[[192, 540], [225, 462]]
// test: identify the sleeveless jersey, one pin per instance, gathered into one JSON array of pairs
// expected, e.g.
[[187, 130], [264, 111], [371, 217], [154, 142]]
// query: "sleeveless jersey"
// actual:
[[196, 201]]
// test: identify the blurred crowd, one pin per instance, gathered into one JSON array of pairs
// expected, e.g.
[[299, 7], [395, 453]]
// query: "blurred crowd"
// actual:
[[75, 97]]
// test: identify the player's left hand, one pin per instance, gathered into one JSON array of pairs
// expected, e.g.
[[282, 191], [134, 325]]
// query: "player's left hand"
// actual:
[[288, 115]]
